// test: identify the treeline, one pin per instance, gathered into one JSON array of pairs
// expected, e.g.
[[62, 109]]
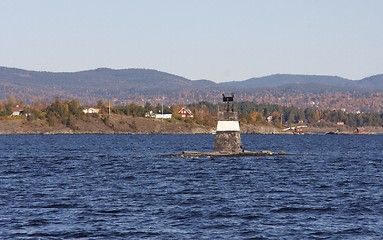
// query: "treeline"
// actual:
[[254, 113], [205, 113], [66, 112], [58, 112]]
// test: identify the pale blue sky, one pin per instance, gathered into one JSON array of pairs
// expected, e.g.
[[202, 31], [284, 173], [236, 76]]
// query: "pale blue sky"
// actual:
[[219, 40]]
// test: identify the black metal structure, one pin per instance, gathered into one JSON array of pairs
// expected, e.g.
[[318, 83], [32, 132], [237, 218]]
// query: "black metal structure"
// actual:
[[228, 100]]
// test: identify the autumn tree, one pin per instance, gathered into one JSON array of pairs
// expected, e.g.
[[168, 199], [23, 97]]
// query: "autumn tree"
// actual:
[[64, 113]]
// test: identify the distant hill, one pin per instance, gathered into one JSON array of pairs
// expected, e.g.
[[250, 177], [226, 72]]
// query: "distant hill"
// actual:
[[280, 80], [373, 82], [102, 78], [102, 83], [147, 85]]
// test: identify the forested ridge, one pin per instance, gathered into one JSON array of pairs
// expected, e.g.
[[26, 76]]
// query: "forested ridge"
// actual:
[[139, 86]]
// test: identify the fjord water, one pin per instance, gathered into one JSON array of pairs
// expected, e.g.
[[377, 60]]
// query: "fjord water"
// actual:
[[125, 187]]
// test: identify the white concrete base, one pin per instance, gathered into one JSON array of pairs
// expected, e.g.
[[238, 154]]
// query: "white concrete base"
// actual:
[[231, 126]]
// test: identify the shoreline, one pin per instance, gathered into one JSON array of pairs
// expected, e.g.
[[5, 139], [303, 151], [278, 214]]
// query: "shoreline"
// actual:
[[126, 125], [175, 133]]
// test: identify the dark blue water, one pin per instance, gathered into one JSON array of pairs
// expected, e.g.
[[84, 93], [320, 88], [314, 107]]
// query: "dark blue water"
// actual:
[[122, 187]]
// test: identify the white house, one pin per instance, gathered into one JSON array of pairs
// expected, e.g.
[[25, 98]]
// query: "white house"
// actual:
[[163, 116], [151, 114], [91, 110]]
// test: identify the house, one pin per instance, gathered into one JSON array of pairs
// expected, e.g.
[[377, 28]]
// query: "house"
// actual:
[[163, 115], [17, 111], [91, 110], [159, 115], [150, 114], [185, 112]]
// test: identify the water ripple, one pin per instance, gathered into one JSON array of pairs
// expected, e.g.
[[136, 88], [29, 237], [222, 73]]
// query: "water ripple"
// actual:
[[121, 187]]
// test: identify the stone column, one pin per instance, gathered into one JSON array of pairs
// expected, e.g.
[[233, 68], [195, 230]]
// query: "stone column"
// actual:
[[228, 137]]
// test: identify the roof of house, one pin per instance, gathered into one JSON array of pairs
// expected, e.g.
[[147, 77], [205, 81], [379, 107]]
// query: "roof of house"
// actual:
[[185, 109], [17, 109]]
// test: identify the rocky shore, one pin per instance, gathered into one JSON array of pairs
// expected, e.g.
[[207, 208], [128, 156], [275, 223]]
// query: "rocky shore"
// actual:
[[115, 124], [118, 124]]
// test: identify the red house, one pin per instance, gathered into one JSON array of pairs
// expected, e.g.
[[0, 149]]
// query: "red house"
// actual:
[[17, 111], [184, 112]]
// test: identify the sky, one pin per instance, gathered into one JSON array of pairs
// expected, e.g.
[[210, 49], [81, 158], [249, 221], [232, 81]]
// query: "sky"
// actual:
[[218, 40]]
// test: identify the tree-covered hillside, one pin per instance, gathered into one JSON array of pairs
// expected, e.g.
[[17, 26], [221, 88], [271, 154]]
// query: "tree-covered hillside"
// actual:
[[144, 85]]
